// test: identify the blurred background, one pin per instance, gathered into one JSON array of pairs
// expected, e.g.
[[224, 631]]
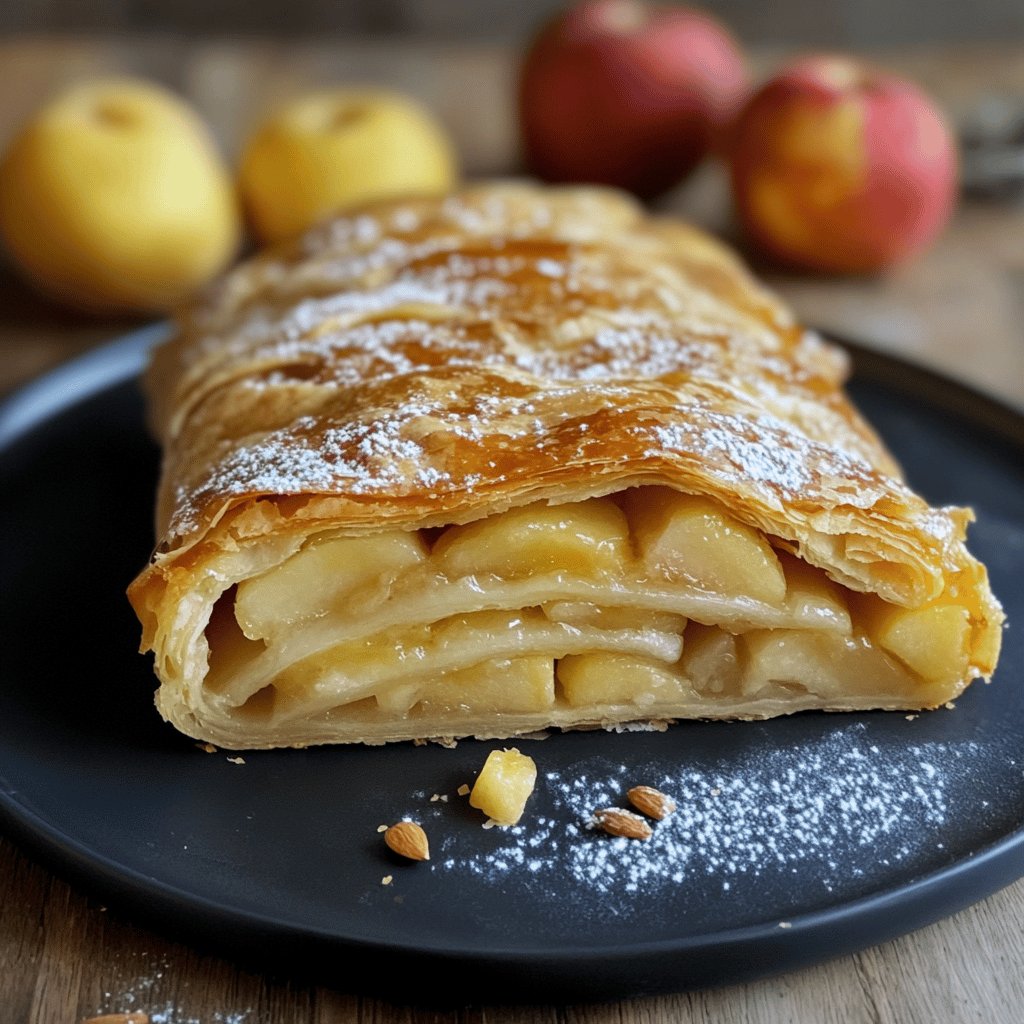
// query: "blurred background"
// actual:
[[460, 56], [958, 306], [835, 23]]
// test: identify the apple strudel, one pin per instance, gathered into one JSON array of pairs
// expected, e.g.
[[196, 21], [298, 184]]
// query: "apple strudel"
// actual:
[[525, 457]]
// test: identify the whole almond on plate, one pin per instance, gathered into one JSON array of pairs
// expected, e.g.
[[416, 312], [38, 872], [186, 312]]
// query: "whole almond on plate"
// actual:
[[617, 822], [651, 802], [408, 840]]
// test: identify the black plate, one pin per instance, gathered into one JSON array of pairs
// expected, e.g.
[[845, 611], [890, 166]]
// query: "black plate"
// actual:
[[796, 839]]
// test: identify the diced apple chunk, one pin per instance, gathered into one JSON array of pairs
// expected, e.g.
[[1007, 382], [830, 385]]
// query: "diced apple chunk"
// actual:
[[711, 659], [504, 785], [933, 641], [323, 573], [986, 642], [383, 656], [506, 685], [686, 537], [397, 700], [588, 539], [609, 678]]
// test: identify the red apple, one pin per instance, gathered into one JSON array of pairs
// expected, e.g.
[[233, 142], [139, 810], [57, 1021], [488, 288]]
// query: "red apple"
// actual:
[[622, 93], [839, 166]]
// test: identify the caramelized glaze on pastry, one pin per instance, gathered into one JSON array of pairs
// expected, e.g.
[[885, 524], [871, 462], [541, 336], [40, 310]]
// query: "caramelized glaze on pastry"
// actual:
[[524, 457]]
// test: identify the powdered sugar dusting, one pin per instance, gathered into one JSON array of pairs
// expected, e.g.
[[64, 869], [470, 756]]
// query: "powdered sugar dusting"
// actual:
[[143, 994], [361, 457], [554, 306], [829, 811]]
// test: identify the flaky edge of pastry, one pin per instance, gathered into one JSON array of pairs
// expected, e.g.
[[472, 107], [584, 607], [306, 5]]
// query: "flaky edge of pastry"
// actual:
[[860, 523], [174, 595]]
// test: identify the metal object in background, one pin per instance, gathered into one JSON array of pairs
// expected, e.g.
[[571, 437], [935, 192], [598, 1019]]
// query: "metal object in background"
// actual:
[[992, 144]]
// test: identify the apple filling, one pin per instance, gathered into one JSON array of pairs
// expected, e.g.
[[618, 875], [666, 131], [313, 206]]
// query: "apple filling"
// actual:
[[644, 605]]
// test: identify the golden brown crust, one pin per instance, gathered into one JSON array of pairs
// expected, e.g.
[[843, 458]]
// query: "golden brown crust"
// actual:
[[430, 362], [513, 344]]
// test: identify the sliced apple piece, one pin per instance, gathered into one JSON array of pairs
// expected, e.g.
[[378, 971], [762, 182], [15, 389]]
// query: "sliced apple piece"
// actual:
[[501, 685], [607, 678], [823, 663], [230, 649], [584, 539], [813, 596], [933, 641], [583, 613], [317, 578], [683, 537]]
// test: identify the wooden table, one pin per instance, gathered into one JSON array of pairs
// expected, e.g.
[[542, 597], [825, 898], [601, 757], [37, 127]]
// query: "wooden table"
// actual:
[[63, 957]]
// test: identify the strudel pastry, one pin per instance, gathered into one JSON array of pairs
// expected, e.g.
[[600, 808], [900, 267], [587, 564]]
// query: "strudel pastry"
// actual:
[[522, 458]]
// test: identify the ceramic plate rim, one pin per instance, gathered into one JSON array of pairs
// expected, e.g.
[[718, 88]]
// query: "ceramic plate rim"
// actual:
[[995, 864]]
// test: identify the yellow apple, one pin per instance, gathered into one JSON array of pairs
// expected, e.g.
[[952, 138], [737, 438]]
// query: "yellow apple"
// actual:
[[113, 198], [337, 148]]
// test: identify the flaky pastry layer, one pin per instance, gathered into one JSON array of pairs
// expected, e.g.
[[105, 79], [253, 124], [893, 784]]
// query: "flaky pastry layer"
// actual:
[[422, 365]]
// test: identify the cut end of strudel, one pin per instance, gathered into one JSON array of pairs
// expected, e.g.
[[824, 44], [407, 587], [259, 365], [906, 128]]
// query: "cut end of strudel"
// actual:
[[522, 458]]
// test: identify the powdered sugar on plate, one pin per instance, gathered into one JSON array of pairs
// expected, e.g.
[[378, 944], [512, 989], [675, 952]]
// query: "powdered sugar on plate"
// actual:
[[831, 810]]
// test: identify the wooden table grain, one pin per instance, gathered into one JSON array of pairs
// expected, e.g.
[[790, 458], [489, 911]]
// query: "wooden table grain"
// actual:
[[64, 957]]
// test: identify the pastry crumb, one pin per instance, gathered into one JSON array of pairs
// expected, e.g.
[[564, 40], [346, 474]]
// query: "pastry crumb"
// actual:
[[382, 828], [949, 706], [237, 760], [655, 725], [911, 718], [463, 790], [785, 924], [387, 879]]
